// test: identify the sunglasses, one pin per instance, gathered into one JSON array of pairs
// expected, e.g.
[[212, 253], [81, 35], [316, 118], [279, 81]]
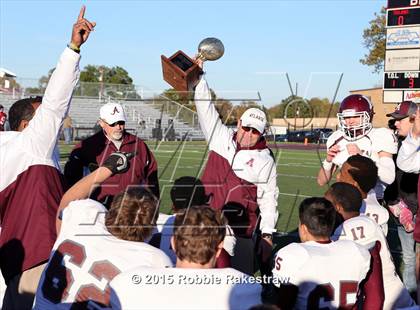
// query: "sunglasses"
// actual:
[[253, 130], [122, 123]]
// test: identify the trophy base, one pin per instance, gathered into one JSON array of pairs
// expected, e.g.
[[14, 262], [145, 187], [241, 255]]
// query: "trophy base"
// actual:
[[181, 72]]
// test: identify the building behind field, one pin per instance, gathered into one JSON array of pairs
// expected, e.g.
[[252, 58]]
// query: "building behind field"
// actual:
[[379, 120], [381, 109]]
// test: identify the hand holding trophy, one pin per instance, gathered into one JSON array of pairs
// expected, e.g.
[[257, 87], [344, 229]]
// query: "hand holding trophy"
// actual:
[[183, 72]]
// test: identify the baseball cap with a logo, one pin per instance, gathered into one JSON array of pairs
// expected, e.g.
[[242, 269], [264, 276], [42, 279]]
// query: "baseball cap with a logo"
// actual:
[[403, 110], [112, 113], [254, 118]]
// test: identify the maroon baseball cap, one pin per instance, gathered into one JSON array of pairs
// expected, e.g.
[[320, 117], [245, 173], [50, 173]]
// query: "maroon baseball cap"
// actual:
[[404, 109]]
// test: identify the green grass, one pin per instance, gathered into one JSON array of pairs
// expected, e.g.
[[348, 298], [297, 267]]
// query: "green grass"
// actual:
[[296, 169], [296, 174]]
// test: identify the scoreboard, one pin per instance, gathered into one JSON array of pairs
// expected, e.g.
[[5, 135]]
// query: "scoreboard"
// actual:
[[403, 17], [402, 3], [402, 80], [402, 54]]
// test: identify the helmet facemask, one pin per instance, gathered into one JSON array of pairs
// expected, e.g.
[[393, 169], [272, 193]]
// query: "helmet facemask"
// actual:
[[355, 132]]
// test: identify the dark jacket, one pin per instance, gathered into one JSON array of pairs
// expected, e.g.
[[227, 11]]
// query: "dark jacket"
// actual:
[[403, 188], [93, 151]]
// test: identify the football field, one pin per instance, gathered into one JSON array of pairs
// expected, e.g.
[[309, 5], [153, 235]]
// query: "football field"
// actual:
[[297, 170]]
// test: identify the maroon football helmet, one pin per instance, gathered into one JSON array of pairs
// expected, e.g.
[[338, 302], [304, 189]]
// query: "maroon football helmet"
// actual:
[[355, 106]]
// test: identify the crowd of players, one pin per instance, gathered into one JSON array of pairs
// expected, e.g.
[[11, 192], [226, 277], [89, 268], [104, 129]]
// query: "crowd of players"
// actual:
[[102, 243]]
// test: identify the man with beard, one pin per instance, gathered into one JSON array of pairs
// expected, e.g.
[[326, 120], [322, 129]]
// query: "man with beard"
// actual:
[[91, 153]]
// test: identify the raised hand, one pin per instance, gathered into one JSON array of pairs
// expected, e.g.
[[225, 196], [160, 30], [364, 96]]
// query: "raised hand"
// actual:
[[332, 152], [199, 61], [81, 29]]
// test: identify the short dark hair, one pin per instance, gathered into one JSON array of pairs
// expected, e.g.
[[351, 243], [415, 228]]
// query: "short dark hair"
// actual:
[[132, 215], [346, 195], [318, 215], [364, 171], [22, 110], [237, 217], [198, 231], [188, 191]]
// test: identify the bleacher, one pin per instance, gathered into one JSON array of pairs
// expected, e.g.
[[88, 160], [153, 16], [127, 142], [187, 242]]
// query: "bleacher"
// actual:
[[142, 117]]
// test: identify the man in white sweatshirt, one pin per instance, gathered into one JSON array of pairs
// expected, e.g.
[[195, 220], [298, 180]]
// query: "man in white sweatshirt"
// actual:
[[240, 168]]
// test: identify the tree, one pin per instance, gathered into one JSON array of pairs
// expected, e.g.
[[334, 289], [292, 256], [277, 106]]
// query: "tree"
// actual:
[[114, 75], [321, 107], [185, 100], [242, 107], [173, 95], [117, 75], [43, 80], [374, 39], [279, 110], [42, 84], [314, 107], [90, 74], [223, 107], [115, 82], [226, 111]]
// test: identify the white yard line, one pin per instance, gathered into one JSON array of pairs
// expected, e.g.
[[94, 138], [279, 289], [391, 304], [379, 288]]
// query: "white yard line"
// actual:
[[297, 176], [299, 165], [278, 164], [165, 156]]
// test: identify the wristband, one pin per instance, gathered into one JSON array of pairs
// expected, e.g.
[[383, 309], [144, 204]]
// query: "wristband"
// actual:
[[73, 47], [327, 165]]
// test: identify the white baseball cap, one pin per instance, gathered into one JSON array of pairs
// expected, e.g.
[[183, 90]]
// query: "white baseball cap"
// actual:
[[112, 113], [254, 118]]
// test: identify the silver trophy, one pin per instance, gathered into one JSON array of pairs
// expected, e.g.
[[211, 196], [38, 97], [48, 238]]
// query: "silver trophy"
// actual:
[[210, 49], [183, 72]]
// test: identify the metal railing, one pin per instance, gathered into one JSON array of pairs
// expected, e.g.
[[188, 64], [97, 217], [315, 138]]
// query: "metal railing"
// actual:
[[122, 93]]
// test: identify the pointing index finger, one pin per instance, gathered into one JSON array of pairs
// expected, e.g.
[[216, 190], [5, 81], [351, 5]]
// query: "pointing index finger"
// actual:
[[82, 13]]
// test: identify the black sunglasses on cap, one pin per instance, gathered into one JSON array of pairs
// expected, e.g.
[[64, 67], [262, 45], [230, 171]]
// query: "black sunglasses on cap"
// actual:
[[254, 131], [122, 123]]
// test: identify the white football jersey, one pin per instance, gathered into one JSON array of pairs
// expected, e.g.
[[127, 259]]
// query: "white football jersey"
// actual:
[[366, 232], [86, 257], [184, 288], [372, 208], [335, 267], [377, 140]]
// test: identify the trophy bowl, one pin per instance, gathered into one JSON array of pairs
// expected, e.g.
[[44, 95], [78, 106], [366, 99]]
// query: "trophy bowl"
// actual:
[[183, 72], [210, 49]]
